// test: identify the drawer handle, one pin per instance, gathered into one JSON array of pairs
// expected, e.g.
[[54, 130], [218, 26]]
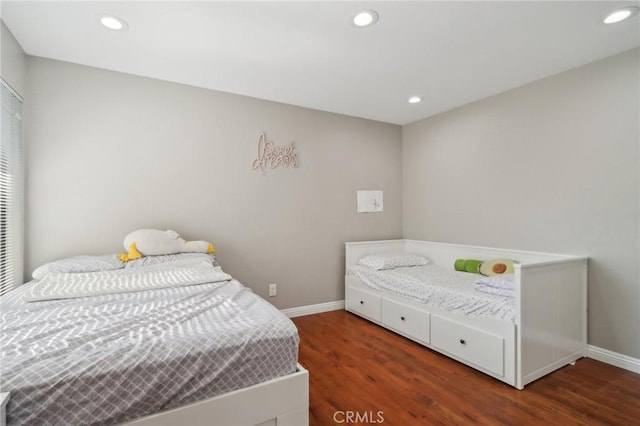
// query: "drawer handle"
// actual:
[[402, 318], [362, 302], [463, 342]]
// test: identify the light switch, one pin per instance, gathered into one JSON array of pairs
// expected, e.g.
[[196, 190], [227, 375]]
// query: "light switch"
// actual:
[[369, 201]]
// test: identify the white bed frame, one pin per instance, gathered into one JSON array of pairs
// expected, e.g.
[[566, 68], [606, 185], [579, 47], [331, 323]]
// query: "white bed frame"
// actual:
[[550, 326], [283, 401]]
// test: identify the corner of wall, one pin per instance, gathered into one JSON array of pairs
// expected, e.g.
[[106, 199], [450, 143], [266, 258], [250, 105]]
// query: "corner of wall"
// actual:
[[13, 60]]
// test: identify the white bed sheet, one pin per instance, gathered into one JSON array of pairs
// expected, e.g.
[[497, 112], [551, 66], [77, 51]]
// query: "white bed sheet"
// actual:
[[439, 287]]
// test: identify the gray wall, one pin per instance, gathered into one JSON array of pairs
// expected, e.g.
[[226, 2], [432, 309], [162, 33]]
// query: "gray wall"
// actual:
[[13, 61], [551, 166], [110, 152]]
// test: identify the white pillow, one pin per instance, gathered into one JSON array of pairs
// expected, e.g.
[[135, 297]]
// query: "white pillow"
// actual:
[[84, 263], [109, 262], [392, 260], [506, 281]]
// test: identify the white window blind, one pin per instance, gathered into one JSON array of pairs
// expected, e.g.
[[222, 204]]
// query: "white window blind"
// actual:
[[11, 190]]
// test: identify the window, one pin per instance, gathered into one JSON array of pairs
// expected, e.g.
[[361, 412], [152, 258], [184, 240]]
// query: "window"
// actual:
[[11, 189]]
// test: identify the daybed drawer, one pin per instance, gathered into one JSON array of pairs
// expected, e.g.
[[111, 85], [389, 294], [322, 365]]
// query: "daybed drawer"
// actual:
[[364, 303], [471, 344], [406, 320]]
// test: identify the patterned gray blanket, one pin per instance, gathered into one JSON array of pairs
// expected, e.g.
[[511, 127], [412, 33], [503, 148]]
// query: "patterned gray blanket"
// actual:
[[111, 358]]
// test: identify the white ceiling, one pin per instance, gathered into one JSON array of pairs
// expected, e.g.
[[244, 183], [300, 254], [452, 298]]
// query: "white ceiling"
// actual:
[[309, 54]]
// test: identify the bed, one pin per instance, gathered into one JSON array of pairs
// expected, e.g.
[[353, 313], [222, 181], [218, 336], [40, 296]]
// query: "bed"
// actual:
[[541, 327], [162, 340]]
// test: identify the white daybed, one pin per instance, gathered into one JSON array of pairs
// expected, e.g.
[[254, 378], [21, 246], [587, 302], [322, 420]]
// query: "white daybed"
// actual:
[[549, 329]]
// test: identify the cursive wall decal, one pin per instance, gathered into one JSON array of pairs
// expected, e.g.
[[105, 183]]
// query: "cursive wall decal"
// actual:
[[271, 155]]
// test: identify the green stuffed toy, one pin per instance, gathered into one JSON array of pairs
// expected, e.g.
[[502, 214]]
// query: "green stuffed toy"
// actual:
[[468, 265], [487, 267]]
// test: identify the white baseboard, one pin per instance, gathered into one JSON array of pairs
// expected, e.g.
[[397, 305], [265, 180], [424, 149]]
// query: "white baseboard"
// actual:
[[314, 309], [614, 358]]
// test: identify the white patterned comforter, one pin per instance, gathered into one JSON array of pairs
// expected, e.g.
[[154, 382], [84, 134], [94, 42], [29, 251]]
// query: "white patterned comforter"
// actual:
[[439, 287], [111, 358], [65, 285]]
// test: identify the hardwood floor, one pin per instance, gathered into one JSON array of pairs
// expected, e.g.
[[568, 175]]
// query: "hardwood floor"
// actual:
[[361, 373]]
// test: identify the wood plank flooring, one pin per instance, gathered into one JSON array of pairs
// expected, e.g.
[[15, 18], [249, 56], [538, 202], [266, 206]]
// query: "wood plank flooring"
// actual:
[[360, 373]]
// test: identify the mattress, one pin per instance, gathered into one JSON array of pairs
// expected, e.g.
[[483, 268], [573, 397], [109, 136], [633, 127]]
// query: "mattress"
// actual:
[[438, 287], [111, 358]]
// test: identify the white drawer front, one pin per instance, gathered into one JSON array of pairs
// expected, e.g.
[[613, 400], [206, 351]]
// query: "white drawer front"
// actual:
[[473, 345], [364, 303], [406, 320]]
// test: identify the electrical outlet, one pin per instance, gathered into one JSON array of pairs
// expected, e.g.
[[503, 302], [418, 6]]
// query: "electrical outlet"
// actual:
[[272, 290]]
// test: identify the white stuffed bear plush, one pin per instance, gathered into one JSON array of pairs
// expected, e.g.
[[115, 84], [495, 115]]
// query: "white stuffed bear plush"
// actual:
[[153, 242]]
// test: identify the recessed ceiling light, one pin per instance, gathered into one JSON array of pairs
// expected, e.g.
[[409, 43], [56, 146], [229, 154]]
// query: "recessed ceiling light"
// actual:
[[113, 23], [365, 18], [620, 15], [414, 99]]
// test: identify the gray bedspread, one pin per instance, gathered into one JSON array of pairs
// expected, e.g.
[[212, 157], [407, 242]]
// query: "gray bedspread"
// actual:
[[111, 358]]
